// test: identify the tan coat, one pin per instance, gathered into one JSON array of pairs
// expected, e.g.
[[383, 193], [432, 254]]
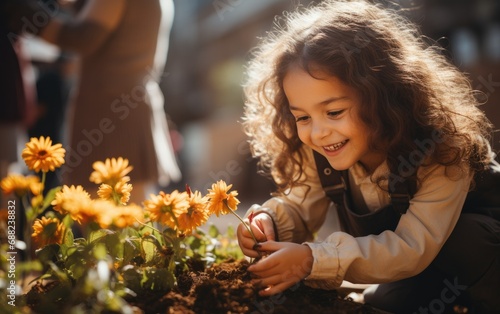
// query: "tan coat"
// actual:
[[389, 256]]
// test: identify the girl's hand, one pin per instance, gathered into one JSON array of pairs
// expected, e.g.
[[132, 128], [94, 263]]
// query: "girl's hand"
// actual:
[[263, 229], [288, 264]]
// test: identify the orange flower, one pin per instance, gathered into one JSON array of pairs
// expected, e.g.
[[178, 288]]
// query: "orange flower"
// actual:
[[40, 154], [47, 231], [218, 194], [111, 171], [105, 192], [37, 201], [36, 187], [121, 216], [165, 208], [20, 185], [195, 216], [120, 193], [72, 200], [91, 211]]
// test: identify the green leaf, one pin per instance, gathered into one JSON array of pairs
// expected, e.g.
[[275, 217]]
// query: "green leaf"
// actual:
[[169, 234], [130, 250], [68, 237], [148, 249], [230, 232], [30, 214], [130, 233], [132, 278], [68, 221], [58, 272], [99, 251], [213, 231], [49, 197], [96, 235], [76, 260], [28, 267], [48, 253], [157, 279], [76, 263], [195, 243], [42, 277], [112, 244]]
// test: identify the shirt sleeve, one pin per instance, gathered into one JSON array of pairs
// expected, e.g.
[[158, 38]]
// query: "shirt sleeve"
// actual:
[[299, 214], [85, 33], [405, 252]]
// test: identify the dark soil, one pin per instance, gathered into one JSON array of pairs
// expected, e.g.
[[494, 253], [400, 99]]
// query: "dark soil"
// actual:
[[220, 289], [226, 288]]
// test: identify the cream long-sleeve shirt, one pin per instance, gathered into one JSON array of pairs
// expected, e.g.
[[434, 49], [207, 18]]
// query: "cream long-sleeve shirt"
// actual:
[[389, 256]]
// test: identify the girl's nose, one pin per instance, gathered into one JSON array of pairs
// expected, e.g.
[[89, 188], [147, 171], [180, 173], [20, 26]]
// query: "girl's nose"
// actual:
[[319, 130]]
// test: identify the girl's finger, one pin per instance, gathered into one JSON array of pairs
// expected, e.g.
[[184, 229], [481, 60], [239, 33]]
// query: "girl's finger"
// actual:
[[271, 246], [250, 253], [267, 281], [257, 232], [271, 290], [247, 243], [267, 228], [265, 267], [246, 246]]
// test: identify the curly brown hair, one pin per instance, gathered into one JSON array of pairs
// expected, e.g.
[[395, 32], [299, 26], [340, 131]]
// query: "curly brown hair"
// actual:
[[409, 90]]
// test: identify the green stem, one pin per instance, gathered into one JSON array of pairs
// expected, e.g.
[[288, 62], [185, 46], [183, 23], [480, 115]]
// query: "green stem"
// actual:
[[39, 207], [146, 225], [116, 198], [242, 221], [44, 176], [161, 234]]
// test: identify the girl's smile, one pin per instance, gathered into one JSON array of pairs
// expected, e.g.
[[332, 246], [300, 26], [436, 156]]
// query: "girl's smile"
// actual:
[[335, 147], [327, 119]]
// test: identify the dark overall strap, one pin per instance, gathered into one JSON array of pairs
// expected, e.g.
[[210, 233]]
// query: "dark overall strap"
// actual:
[[485, 197], [400, 194], [336, 184]]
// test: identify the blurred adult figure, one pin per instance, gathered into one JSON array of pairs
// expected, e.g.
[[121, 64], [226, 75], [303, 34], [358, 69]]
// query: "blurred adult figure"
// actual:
[[17, 97], [117, 107], [17, 110]]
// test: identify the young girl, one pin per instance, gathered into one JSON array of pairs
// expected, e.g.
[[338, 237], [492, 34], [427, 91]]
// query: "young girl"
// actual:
[[355, 83]]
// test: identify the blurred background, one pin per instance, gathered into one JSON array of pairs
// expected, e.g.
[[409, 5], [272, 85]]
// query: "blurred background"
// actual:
[[210, 43]]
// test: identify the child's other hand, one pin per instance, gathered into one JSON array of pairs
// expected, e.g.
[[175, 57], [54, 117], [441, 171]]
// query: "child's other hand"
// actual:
[[263, 229], [288, 264]]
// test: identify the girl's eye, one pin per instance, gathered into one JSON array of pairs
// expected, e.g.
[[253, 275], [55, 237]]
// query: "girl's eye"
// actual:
[[301, 118], [335, 113]]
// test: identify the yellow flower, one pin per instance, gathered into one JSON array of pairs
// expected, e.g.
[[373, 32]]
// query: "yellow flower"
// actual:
[[122, 216], [165, 208], [120, 193], [195, 216], [36, 187], [93, 211], [37, 201], [47, 231], [102, 212], [20, 185], [40, 154], [111, 171], [105, 192], [218, 194], [72, 200]]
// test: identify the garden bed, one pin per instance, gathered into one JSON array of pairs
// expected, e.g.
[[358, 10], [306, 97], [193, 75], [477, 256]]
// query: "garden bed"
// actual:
[[226, 288]]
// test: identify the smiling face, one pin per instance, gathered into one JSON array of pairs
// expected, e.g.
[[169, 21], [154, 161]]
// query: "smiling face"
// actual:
[[326, 114]]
